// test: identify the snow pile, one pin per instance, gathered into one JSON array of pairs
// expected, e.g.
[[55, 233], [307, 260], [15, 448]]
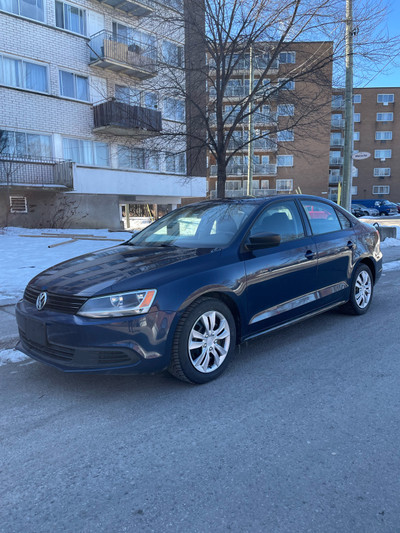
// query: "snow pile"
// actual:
[[12, 356], [389, 241], [22, 258]]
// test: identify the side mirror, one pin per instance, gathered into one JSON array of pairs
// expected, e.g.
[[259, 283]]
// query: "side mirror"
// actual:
[[263, 240]]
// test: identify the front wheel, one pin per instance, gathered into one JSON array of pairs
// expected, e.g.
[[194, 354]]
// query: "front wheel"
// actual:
[[204, 341], [362, 288]]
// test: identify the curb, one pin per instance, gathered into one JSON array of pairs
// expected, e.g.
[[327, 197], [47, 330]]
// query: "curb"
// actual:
[[4, 302]]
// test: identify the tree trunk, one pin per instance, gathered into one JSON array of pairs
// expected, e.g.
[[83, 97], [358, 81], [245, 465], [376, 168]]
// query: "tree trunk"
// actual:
[[221, 178]]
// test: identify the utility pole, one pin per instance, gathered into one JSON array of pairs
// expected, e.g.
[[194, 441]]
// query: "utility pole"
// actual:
[[250, 161], [345, 200]]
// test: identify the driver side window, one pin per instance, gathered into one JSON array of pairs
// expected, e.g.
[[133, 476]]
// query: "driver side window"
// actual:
[[282, 218]]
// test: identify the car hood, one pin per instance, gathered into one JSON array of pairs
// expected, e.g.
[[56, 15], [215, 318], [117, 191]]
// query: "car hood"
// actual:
[[101, 272]]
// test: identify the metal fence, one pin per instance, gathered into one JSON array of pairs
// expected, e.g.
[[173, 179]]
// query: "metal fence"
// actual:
[[35, 171]]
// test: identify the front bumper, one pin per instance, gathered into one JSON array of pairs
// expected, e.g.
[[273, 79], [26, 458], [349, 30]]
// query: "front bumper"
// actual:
[[134, 344]]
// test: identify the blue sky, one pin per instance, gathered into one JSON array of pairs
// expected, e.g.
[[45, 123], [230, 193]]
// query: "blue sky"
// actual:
[[390, 76]]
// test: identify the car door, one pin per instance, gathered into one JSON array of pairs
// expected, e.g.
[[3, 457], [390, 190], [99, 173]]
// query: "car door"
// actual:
[[336, 242], [280, 280]]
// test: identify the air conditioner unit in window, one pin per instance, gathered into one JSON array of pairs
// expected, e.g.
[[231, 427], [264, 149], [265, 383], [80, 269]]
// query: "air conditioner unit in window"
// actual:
[[385, 103], [383, 159]]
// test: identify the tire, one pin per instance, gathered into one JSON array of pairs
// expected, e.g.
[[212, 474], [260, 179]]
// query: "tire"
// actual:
[[361, 292], [204, 341], [383, 214]]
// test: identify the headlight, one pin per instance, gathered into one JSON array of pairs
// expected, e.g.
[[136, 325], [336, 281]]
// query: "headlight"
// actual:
[[125, 303]]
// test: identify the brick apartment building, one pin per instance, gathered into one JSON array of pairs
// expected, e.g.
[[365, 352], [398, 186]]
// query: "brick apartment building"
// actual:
[[82, 107], [376, 131], [295, 156]]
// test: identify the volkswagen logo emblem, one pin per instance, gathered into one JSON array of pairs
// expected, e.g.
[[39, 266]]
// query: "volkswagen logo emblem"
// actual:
[[41, 301]]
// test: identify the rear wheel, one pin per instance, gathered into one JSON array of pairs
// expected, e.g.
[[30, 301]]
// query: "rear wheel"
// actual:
[[204, 341], [362, 288]]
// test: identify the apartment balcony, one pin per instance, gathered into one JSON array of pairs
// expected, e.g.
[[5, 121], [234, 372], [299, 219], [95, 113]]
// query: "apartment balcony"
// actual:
[[32, 172], [117, 118], [334, 179], [338, 104], [123, 55], [136, 8], [337, 141], [337, 123], [259, 169], [264, 145], [259, 119], [238, 193], [336, 161]]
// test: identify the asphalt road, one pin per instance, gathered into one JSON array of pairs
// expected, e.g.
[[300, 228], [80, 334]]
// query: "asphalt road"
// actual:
[[301, 434]]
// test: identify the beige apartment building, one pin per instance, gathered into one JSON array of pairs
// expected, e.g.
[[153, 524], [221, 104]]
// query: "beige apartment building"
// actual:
[[295, 155], [376, 131]]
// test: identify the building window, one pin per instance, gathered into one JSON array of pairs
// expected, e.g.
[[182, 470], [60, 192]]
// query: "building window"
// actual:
[[264, 184], [285, 110], [357, 117], [286, 84], [175, 163], [18, 204], [86, 152], [285, 135], [74, 86], [172, 54], [383, 154], [384, 117], [356, 136], [385, 98], [379, 172], [32, 9], [23, 144], [383, 135], [23, 74], [337, 101], [381, 189], [70, 18], [284, 160], [135, 97], [174, 109], [357, 99], [287, 57], [284, 185], [138, 158]]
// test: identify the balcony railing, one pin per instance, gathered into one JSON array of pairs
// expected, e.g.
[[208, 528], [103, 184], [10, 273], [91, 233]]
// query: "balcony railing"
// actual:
[[260, 119], [123, 55], [338, 123], [338, 104], [138, 8], [36, 172], [337, 141], [259, 169], [118, 118], [266, 145], [336, 160], [335, 178]]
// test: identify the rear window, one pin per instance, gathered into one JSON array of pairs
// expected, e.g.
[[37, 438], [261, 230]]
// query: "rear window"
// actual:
[[322, 217]]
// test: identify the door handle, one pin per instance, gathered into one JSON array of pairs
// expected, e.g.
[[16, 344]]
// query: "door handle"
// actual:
[[310, 254], [350, 245]]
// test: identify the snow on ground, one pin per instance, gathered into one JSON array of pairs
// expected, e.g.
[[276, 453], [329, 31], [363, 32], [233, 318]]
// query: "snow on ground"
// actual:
[[12, 356], [389, 242], [24, 257]]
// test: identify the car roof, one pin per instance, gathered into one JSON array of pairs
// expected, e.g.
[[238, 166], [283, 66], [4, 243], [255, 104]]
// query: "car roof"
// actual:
[[263, 200]]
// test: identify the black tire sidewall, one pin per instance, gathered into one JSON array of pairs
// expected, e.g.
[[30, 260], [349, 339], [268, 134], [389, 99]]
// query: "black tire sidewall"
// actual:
[[182, 341]]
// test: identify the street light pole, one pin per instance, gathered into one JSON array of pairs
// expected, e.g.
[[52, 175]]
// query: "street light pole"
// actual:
[[345, 200]]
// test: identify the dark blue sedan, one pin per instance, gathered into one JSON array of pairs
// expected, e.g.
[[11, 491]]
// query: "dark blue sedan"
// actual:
[[184, 291]]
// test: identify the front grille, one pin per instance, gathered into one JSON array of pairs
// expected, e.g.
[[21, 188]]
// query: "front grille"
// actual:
[[58, 302], [55, 352]]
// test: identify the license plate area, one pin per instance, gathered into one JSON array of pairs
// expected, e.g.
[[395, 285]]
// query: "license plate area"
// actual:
[[36, 332]]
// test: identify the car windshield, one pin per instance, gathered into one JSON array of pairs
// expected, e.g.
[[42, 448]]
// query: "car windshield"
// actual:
[[197, 226]]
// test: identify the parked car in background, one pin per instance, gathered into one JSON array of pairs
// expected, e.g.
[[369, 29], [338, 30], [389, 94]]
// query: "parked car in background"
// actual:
[[184, 291], [384, 207], [365, 211], [357, 210], [398, 207]]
